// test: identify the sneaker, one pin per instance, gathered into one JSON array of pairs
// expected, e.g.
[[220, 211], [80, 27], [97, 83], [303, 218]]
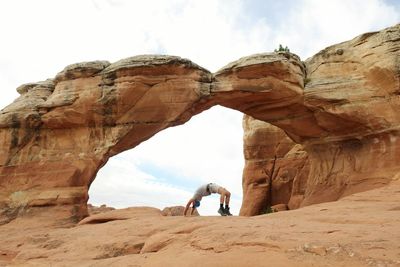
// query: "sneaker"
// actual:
[[221, 211], [227, 212]]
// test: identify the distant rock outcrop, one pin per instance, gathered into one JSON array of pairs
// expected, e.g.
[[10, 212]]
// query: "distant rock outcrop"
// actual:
[[96, 210], [341, 106], [176, 211]]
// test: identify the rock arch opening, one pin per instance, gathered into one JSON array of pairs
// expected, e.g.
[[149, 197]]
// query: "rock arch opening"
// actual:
[[164, 170]]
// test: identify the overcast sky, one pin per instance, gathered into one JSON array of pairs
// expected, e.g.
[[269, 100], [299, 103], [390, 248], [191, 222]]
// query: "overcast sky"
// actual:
[[39, 38]]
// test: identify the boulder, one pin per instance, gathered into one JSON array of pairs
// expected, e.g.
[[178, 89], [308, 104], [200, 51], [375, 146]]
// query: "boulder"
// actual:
[[176, 211]]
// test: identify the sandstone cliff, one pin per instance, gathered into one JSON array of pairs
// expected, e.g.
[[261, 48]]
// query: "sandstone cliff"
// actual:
[[352, 89], [341, 105]]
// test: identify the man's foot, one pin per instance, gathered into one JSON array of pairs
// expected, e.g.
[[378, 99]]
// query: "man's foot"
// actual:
[[227, 212], [221, 211]]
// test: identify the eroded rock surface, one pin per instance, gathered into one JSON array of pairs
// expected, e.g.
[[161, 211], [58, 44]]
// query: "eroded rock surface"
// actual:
[[271, 158], [54, 145], [60, 132], [359, 230], [352, 89]]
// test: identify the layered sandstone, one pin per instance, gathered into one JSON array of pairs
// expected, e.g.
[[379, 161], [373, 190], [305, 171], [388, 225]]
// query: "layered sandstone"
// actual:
[[59, 133], [353, 91], [271, 159], [341, 105]]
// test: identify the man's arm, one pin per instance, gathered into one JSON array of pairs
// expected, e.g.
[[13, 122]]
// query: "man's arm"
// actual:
[[187, 206]]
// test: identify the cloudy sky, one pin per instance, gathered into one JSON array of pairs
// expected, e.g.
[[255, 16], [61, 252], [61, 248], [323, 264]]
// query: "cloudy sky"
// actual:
[[39, 38]]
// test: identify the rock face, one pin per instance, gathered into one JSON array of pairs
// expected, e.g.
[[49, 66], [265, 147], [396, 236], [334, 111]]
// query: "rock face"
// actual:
[[271, 157], [60, 132], [353, 91]]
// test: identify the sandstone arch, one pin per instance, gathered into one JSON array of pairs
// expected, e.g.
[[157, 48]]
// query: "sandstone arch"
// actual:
[[59, 132]]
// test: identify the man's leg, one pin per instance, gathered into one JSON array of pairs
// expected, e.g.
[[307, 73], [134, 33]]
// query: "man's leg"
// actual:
[[225, 197], [221, 205], [221, 202]]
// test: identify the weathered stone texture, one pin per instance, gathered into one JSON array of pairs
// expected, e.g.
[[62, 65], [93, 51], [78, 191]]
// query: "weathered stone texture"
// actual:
[[341, 106], [271, 158], [352, 89], [57, 134]]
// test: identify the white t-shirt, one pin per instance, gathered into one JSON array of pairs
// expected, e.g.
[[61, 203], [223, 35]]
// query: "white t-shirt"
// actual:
[[201, 192]]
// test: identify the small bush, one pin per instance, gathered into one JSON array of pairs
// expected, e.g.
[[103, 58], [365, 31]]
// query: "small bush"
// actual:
[[282, 49], [268, 210]]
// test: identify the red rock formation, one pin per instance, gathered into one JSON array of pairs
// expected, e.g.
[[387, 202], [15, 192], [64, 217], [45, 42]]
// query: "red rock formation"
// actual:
[[353, 88], [271, 157], [58, 133], [353, 91], [55, 143]]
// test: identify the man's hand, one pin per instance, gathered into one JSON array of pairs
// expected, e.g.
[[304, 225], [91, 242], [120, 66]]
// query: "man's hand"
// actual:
[[187, 207]]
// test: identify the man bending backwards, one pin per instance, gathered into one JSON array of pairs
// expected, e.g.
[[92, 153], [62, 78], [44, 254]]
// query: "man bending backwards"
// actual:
[[206, 190]]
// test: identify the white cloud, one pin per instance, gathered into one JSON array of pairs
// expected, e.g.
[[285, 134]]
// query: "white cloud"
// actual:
[[206, 149], [122, 185], [311, 25], [39, 38]]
